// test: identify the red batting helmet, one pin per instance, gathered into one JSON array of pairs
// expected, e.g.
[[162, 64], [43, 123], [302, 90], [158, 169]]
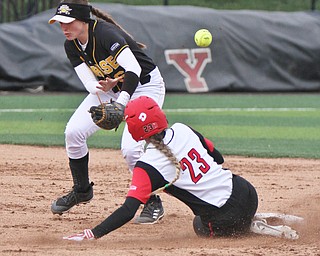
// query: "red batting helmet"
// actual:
[[144, 118]]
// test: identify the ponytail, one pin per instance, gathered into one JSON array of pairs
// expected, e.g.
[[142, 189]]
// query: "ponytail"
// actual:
[[157, 141], [107, 17]]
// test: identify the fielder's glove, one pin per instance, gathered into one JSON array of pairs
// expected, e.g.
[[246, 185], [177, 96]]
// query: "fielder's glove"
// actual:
[[85, 235], [107, 116]]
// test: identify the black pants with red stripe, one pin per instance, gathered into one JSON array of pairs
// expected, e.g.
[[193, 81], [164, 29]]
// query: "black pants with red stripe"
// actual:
[[234, 217]]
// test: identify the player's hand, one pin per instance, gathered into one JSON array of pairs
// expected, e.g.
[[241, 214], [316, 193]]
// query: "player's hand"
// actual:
[[85, 235], [109, 83]]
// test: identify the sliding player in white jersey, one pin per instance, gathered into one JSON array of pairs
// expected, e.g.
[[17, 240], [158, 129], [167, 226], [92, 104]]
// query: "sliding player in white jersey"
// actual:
[[180, 161], [183, 163]]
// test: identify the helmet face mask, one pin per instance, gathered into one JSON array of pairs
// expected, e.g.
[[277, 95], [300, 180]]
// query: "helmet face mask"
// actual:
[[144, 118]]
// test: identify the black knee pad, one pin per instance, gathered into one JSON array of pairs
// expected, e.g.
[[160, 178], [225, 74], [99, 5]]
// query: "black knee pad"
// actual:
[[200, 229]]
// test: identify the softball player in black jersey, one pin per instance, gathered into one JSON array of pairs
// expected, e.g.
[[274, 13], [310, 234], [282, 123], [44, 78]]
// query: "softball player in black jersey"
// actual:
[[180, 161], [112, 66]]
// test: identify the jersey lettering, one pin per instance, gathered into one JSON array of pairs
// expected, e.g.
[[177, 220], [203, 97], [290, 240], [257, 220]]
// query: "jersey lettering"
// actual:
[[107, 69], [112, 62], [186, 163], [96, 71], [194, 155], [118, 74], [108, 65]]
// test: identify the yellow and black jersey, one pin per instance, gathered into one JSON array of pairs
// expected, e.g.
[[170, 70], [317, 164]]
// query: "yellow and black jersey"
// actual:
[[106, 41]]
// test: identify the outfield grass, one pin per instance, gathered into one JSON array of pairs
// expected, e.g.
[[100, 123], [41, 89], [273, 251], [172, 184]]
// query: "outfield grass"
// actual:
[[264, 125]]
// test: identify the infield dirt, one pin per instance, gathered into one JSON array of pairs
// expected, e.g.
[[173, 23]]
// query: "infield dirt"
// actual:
[[31, 177]]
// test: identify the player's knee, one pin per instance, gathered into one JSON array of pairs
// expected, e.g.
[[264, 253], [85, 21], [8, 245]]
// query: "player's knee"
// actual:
[[75, 141], [131, 155], [72, 134], [200, 229]]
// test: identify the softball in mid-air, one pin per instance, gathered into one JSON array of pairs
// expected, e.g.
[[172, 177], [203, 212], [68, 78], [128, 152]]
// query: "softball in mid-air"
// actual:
[[203, 38]]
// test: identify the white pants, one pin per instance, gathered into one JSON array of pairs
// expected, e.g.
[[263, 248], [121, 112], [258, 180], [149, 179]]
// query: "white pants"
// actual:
[[80, 126]]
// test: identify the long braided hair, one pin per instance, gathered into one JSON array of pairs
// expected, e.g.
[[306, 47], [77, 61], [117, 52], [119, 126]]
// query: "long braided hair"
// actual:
[[157, 141], [102, 15]]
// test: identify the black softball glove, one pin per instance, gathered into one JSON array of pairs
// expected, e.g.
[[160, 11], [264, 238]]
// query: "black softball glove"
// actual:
[[107, 116]]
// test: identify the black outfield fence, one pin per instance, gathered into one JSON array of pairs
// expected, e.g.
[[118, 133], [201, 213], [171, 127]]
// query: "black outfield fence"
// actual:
[[15, 10], [313, 5], [251, 51]]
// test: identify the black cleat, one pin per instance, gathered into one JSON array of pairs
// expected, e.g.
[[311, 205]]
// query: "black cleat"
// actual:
[[152, 211], [65, 203]]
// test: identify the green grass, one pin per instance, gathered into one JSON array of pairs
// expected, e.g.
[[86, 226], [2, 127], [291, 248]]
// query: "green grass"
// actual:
[[270, 5], [264, 125]]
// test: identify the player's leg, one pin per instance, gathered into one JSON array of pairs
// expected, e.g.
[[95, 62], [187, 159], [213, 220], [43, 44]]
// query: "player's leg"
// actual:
[[131, 149], [234, 217], [79, 128], [202, 229]]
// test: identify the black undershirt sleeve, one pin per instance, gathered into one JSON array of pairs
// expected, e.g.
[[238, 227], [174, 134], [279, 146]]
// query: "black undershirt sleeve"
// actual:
[[118, 218], [218, 158], [130, 83]]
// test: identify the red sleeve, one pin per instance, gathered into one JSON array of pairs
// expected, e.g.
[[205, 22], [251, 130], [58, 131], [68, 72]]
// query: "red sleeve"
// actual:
[[209, 144], [140, 185]]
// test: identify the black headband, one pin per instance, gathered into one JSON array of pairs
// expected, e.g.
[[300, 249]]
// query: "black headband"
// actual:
[[77, 11]]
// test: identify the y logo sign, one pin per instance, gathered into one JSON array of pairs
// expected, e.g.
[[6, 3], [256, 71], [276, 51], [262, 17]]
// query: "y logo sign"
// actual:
[[190, 64]]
